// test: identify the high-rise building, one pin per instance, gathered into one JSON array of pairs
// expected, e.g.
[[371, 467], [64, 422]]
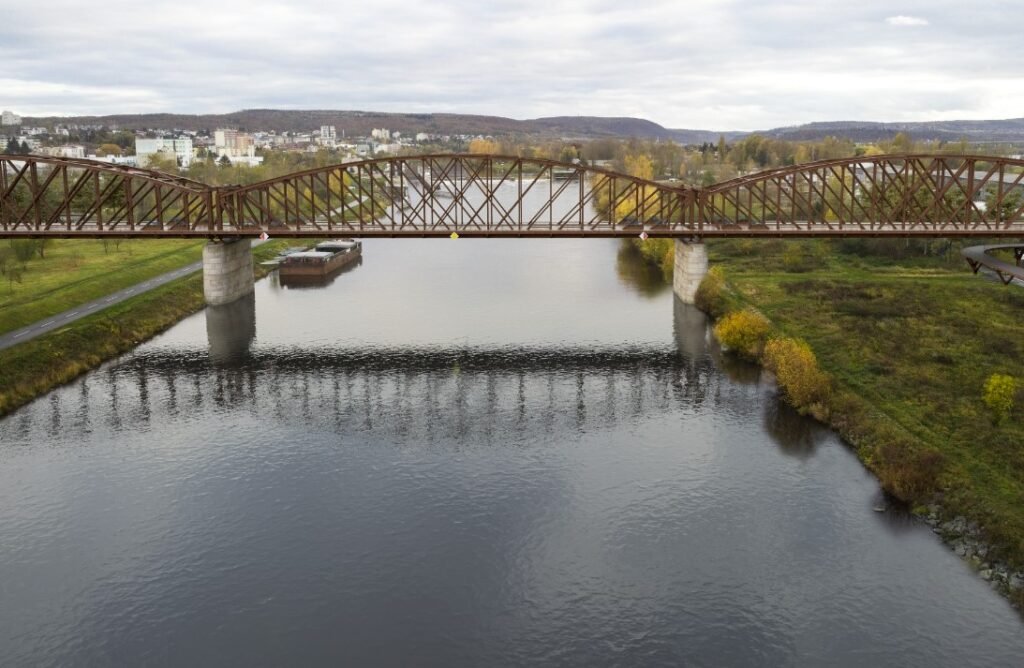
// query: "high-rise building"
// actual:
[[9, 118], [180, 148], [232, 143]]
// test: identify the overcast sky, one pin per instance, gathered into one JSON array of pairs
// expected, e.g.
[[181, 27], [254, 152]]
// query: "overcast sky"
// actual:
[[709, 64]]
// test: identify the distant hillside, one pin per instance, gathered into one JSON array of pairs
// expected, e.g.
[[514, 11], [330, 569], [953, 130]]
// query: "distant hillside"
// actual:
[[1010, 130], [360, 123]]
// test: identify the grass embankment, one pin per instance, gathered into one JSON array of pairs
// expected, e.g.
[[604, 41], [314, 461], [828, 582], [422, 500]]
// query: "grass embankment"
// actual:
[[32, 368], [909, 345], [75, 271]]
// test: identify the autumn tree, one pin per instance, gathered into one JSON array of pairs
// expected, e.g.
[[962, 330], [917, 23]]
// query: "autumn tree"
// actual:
[[999, 396], [481, 146]]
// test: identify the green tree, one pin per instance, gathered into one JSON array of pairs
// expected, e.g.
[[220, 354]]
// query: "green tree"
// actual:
[[108, 149]]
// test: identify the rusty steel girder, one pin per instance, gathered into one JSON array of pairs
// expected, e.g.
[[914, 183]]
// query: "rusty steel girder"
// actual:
[[491, 196]]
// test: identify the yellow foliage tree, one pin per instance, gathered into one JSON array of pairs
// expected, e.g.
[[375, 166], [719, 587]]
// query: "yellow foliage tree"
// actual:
[[743, 332], [796, 369], [1000, 393], [482, 146], [640, 166]]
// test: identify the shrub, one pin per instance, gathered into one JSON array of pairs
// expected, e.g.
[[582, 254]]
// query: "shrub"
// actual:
[[795, 367], [1000, 392], [800, 257], [710, 296], [743, 332], [24, 249], [910, 474]]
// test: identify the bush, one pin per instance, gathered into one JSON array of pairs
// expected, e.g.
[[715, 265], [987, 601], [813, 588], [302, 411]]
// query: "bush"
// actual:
[[803, 383], [710, 296], [800, 257], [1000, 392], [910, 474], [743, 332], [658, 252], [24, 249]]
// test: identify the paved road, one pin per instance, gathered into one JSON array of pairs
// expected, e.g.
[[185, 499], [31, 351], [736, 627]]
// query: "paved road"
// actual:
[[62, 319]]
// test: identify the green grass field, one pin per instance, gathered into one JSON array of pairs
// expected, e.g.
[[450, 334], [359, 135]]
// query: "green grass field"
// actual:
[[76, 271], [30, 369], [910, 344]]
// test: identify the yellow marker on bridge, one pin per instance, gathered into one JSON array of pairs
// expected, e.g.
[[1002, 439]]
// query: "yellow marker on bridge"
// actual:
[[454, 235]]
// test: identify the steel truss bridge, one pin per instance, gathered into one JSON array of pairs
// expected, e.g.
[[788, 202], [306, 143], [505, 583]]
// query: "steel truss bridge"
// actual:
[[508, 196]]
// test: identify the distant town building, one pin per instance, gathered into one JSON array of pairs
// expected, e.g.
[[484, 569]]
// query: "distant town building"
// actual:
[[381, 135], [328, 134], [67, 151], [232, 143], [422, 136], [32, 143], [129, 160], [179, 148], [9, 118], [238, 147]]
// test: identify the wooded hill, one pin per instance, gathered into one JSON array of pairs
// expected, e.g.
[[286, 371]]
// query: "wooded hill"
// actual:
[[360, 123]]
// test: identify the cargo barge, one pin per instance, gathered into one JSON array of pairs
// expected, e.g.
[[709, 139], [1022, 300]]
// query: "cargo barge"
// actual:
[[326, 258]]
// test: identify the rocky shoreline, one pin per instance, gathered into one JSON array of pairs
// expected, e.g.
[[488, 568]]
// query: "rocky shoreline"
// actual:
[[966, 539]]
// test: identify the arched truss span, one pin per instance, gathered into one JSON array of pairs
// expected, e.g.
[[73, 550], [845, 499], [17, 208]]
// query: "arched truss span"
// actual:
[[41, 196], [472, 195], [493, 195], [898, 195]]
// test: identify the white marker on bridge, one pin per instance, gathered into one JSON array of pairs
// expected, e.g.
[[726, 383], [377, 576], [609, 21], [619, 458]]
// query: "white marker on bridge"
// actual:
[[643, 236]]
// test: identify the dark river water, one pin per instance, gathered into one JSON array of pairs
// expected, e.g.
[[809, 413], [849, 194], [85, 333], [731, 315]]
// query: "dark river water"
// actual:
[[460, 453]]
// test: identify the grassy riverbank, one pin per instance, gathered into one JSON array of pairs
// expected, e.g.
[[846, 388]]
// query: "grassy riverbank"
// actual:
[[909, 345], [32, 368], [75, 271]]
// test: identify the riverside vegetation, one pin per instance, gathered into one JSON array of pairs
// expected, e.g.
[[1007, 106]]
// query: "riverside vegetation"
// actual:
[[911, 358], [30, 369]]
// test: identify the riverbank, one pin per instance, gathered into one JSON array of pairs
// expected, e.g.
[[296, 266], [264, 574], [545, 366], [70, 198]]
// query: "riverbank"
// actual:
[[35, 367], [72, 272], [908, 345]]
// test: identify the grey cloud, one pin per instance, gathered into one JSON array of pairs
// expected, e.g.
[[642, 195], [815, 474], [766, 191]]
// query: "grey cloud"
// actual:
[[700, 63]]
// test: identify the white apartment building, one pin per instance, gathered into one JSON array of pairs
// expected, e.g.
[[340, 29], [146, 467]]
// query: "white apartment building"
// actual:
[[238, 147], [9, 118], [232, 142], [180, 148], [66, 151]]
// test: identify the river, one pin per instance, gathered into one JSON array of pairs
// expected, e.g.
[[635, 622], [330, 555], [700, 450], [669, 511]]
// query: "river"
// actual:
[[460, 453]]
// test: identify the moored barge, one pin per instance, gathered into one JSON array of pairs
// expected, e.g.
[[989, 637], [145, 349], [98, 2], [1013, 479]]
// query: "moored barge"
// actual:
[[323, 260]]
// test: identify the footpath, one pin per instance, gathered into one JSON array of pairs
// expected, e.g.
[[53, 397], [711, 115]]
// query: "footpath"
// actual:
[[67, 317]]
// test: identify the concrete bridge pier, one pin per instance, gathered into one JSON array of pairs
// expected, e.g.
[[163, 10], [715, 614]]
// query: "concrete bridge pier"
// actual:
[[690, 268], [227, 271]]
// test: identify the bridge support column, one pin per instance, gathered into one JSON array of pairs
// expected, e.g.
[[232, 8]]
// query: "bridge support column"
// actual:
[[227, 271], [690, 268]]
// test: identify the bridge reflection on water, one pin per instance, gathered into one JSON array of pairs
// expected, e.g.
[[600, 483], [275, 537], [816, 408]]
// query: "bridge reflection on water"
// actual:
[[428, 395]]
